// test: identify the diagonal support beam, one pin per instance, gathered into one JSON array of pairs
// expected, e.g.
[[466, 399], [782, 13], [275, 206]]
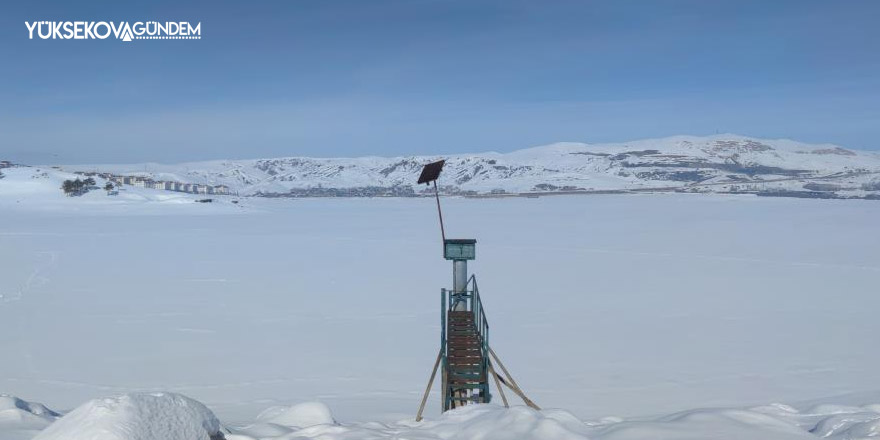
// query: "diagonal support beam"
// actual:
[[498, 385], [512, 383], [428, 388]]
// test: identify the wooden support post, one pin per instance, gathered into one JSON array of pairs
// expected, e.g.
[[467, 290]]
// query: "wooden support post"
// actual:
[[512, 385], [443, 392], [519, 393], [428, 388], [498, 385]]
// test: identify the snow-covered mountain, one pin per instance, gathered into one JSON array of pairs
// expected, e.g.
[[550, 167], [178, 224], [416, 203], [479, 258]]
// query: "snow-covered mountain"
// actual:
[[721, 163]]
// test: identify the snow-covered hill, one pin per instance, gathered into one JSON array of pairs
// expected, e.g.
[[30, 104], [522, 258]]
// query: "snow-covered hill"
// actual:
[[721, 163], [40, 188]]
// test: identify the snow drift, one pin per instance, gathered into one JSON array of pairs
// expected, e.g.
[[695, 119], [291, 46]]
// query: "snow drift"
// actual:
[[139, 416], [168, 416], [491, 422], [301, 415], [22, 420]]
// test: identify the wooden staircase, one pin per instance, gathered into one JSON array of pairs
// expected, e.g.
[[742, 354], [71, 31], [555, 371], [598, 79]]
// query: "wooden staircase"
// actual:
[[466, 369], [464, 354]]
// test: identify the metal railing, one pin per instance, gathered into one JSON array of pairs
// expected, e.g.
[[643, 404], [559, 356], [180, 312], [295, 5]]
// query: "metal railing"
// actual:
[[480, 320]]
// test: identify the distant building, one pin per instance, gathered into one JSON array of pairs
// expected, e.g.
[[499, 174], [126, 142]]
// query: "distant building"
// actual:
[[221, 189]]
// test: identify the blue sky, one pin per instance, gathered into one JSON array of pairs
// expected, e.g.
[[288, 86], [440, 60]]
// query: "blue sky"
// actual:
[[350, 78]]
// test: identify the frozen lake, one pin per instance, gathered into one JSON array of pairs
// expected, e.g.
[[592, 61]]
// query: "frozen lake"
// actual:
[[602, 305]]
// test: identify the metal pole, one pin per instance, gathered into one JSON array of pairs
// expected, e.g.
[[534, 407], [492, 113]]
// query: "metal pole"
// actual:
[[439, 212], [459, 284]]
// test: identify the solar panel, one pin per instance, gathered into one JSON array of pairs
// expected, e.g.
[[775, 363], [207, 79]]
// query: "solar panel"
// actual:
[[431, 172]]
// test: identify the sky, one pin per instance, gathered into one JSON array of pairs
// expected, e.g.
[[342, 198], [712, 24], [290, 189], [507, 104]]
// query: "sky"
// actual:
[[393, 77]]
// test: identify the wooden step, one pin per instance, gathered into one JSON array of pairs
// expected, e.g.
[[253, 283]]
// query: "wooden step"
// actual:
[[464, 338], [472, 376], [465, 368], [465, 346], [459, 331], [465, 355], [460, 365], [476, 380], [459, 357], [470, 346], [455, 351], [468, 386], [476, 398]]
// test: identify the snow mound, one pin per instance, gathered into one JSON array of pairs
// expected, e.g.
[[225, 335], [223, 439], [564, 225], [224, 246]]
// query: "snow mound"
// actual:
[[492, 422], [137, 416], [9, 404], [474, 422], [719, 424], [302, 415], [772, 422], [485, 422], [849, 426], [22, 420]]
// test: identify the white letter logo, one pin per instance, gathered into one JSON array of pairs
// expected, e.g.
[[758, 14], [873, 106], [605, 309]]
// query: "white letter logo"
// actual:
[[30, 27]]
